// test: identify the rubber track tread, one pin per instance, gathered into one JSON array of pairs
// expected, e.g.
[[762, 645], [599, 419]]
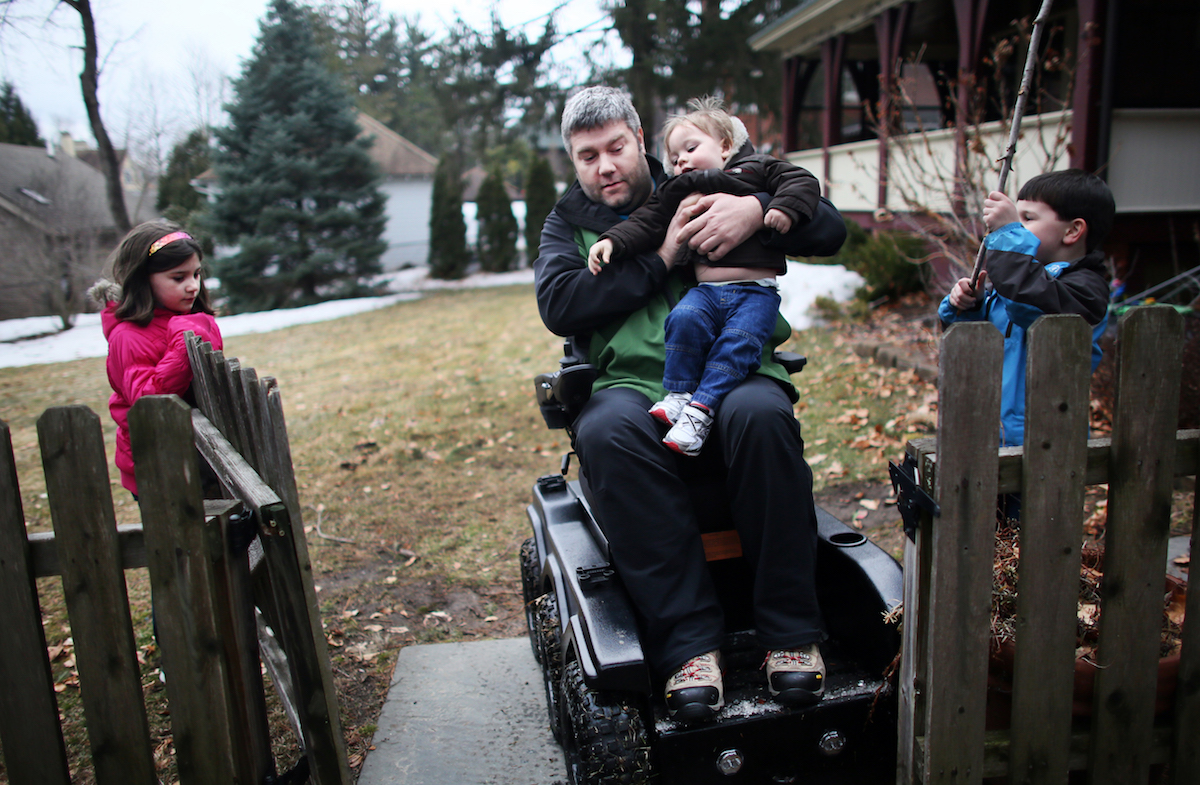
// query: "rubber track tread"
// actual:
[[531, 590], [607, 742], [546, 624]]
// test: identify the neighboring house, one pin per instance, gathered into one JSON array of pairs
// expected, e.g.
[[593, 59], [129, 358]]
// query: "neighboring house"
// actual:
[[55, 229], [473, 178], [398, 158], [407, 184], [1133, 115], [141, 191]]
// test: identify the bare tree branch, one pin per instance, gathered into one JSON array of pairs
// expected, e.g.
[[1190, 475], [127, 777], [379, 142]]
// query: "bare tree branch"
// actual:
[[90, 82]]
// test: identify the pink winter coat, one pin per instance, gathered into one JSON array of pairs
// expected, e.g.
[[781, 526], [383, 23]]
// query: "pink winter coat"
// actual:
[[150, 360]]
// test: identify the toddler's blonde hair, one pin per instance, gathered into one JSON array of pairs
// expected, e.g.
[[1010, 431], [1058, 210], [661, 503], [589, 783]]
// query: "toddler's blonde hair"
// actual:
[[708, 114]]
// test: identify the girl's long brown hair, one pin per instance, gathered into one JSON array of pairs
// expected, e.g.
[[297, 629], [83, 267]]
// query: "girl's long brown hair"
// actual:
[[133, 264]]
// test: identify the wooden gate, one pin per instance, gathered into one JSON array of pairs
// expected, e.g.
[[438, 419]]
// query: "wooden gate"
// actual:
[[224, 573], [948, 568]]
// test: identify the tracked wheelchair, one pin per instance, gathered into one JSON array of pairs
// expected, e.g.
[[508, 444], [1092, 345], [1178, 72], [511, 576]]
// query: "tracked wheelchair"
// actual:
[[602, 707]]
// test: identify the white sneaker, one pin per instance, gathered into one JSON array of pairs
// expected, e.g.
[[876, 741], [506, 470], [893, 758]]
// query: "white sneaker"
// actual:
[[695, 691], [688, 433], [667, 410]]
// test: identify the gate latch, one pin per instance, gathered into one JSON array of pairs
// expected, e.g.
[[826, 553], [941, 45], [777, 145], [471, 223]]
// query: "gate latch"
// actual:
[[910, 497]]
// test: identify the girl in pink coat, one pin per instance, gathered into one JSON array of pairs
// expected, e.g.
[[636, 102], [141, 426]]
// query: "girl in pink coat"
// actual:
[[157, 294]]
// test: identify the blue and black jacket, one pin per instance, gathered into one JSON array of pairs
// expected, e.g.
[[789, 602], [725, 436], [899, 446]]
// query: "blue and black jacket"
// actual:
[[1022, 290]]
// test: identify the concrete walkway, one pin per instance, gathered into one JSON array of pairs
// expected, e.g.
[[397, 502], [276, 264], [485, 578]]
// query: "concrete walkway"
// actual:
[[465, 714]]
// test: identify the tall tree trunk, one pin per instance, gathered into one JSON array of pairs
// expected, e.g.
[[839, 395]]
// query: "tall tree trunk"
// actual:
[[90, 82]]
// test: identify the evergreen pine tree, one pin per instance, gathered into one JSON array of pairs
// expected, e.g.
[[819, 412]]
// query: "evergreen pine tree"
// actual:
[[188, 159], [448, 255], [540, 196], [298, 192], [17, 126], [497, 225]]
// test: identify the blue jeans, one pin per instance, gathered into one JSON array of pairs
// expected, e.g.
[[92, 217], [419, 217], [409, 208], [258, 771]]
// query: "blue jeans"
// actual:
[[715, 338]]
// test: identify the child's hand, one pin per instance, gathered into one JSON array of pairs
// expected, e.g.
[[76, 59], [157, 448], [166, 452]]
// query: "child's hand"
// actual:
[[998, 210], [963, 297], [777, 220], [599, 255]]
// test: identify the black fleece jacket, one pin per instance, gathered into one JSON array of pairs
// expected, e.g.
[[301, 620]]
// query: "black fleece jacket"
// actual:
[[573, 301], [792, 189]]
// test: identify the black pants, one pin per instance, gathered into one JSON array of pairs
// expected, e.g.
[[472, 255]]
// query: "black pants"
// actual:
[[639, 493]]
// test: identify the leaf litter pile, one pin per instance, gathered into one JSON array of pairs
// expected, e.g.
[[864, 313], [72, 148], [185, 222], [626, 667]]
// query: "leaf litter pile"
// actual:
[[1091, 575]]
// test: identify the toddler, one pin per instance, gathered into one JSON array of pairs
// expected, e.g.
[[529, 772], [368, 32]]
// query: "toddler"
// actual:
[[715, 335]]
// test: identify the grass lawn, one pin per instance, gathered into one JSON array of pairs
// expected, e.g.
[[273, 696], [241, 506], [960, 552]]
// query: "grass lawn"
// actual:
[[416, 440]]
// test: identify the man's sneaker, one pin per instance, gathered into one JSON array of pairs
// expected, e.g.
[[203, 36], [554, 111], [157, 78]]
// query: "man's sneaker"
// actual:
[[695, 691], [796, 677], [688, 433], [667, 410]]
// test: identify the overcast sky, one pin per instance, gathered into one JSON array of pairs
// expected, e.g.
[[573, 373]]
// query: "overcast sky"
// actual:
[[152, 51]]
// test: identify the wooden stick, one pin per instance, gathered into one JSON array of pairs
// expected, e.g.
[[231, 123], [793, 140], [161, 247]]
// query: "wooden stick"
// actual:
[[1035, 38]]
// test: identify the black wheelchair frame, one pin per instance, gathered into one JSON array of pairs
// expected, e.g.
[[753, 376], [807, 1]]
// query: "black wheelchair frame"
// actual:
[[601, 703]]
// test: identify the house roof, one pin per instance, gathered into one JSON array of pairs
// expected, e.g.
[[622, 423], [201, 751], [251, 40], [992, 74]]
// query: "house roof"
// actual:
[[473, 178], [53, 193], [815, 21], [396, 156]]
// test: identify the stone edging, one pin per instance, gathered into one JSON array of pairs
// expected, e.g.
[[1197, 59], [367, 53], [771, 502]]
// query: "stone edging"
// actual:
[[891, 356]]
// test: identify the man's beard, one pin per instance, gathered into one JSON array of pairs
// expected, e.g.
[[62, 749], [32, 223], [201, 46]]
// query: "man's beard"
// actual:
[[638, 185]]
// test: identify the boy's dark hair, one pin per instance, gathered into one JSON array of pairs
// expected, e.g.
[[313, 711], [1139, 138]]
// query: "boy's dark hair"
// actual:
[[1074, 193]]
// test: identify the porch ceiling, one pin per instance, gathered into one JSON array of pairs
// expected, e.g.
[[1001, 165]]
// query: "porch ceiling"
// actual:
[[806, 27]]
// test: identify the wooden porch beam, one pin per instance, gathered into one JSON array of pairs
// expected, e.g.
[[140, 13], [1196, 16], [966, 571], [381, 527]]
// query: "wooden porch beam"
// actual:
[[969, 17], [1086, 111], [890, 27], [833, 53], [797, 73]]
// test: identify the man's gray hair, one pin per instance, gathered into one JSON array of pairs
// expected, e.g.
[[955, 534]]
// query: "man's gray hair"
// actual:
[[593, 107]]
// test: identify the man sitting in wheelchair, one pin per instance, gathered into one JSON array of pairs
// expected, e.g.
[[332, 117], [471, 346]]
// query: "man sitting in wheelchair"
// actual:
[[638, 488]]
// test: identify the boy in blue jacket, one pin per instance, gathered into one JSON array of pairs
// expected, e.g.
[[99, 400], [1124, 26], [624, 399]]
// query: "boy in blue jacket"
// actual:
[[1043, 256]]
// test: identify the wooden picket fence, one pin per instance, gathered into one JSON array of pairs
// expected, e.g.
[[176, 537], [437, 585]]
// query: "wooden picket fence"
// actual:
[[231, 581], [948, 567]]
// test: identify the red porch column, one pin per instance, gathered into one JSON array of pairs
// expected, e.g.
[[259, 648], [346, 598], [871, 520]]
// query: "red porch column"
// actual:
[[889, 33], [832, 54], [1086, 113], [969, 17]]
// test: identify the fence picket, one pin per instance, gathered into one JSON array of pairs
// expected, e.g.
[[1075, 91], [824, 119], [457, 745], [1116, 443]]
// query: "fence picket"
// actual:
[[183, 552], [93, 582], [962, 547], [1186, 763], [34, 751], [245, 382], [1055, 460], [1140, 491], [287, 557], [250, 410], [202, 390]]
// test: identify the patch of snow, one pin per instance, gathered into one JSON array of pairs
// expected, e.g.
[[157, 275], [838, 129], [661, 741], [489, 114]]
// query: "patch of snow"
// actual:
[[798, 289], [804, 283]]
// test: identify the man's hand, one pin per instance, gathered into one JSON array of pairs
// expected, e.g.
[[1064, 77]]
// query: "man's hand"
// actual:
[[998, 210], [963, 297], [599, 255], [669, 252], [777, 220], [718, 223]]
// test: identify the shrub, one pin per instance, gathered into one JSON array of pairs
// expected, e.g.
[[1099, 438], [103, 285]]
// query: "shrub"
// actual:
[[889, 262], [448, 253]]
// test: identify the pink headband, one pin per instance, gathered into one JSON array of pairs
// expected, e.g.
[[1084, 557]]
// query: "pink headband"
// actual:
[[167, 240]]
